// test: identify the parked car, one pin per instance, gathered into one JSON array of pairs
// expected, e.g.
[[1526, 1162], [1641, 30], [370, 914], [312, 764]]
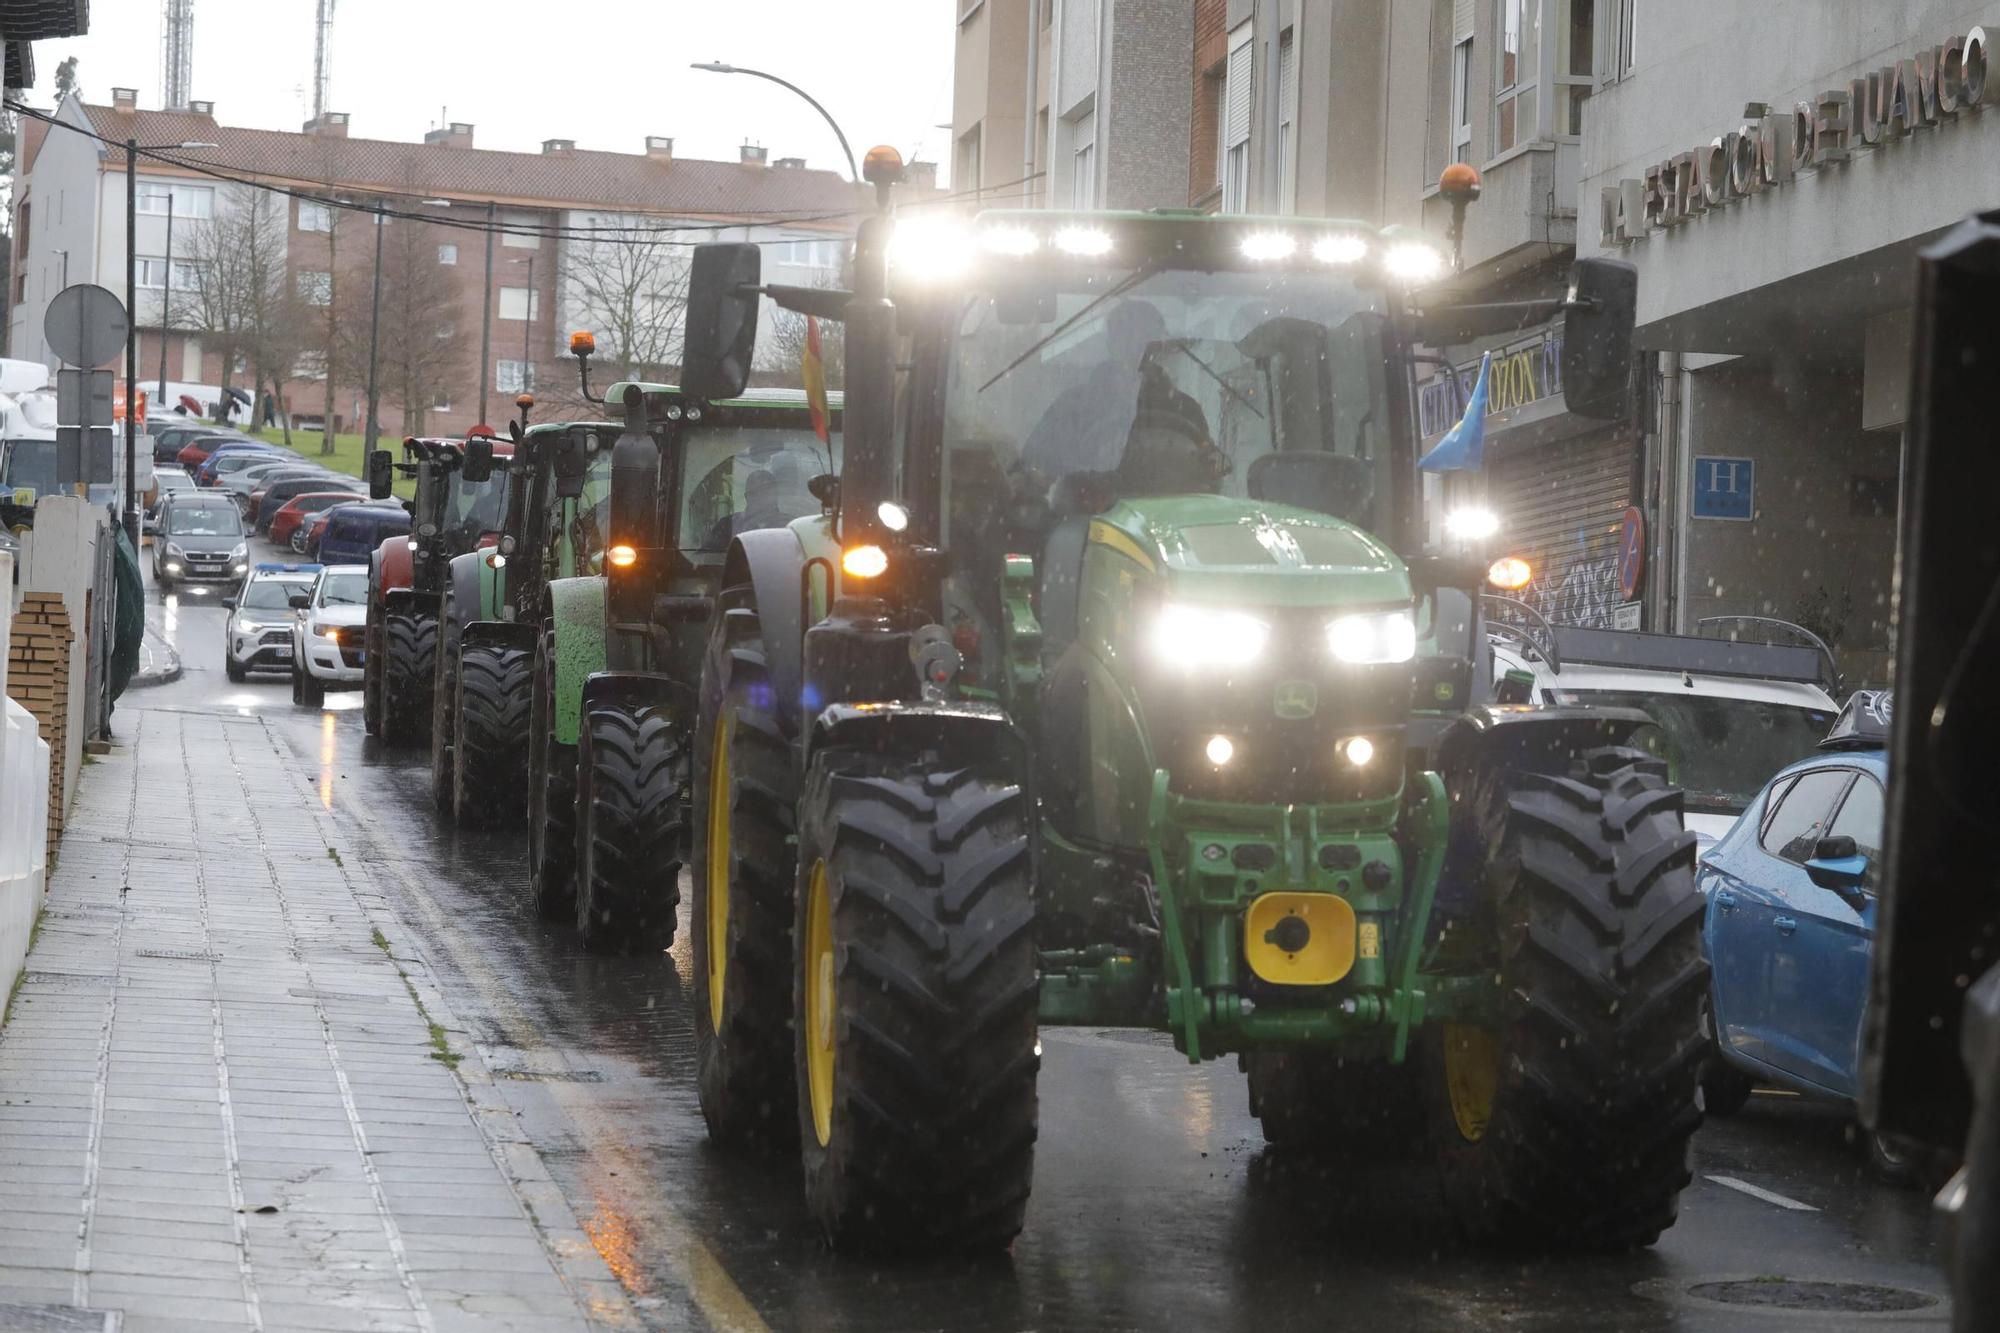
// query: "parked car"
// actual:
[[1790, 923], [354, 531], [196, 451], [170, 437], [287, 514], [200, 537], [327, 637], [233, 458], [299, 476], [258, 634], [246, 482], [167, 480]]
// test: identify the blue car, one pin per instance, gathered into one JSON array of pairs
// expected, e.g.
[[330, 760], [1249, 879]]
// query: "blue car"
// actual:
[[1790, 925], [353, 531]]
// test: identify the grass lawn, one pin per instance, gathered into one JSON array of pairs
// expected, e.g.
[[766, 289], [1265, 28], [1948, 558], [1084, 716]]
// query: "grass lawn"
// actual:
[[347, 455]]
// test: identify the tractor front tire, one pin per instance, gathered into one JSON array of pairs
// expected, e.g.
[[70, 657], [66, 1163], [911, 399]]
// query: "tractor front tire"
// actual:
[[551, 797], [631, 837], [409, 662], [1320, 1102], [1565, 1123], [914, 1005], [490, 717], [745, 801]]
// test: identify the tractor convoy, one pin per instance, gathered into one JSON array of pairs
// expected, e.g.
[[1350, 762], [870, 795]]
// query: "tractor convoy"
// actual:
[[1101, 667]]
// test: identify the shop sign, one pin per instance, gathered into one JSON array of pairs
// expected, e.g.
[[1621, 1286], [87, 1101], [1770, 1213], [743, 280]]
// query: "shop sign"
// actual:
[[1523, 372], [1725, 487], [1927, 88]]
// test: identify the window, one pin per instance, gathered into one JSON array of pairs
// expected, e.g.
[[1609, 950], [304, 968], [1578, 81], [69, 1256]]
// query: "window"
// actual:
[[1461, 100], [1801, 818], [519, 303], [514, 377], [1288, 86], [315, 288], [315, 217], [309, 366], [190, 201], [153, 273], [1627, 54], [1516, 67], [440, 401], [807, 254], [1860, 817], [1235, 135], [1576, 53], [966, 163], [447, 253], [522, 231], [1083, 161]]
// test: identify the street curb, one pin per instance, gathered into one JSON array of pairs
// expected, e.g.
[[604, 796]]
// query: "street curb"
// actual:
[[165, 675]]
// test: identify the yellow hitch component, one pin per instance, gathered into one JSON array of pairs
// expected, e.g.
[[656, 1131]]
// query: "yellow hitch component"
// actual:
[[1299, 939]]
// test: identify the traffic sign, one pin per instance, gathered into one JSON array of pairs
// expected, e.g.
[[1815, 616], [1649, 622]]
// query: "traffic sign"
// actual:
[[86, 325], [1631, 552]]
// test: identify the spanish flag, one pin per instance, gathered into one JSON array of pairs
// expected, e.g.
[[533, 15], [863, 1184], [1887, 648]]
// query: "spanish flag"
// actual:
[[812, 370]]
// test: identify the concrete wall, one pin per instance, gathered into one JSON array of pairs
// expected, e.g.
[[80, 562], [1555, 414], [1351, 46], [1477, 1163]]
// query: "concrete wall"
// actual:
[[1143, 121], [1806, 437]]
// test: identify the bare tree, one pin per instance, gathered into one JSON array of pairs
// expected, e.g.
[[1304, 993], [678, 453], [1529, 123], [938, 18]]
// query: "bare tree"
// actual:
[[237, 291], [629, 288], [421, 349]]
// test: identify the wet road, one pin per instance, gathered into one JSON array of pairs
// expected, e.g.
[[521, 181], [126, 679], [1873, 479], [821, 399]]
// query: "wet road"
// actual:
[[1155, 1202]]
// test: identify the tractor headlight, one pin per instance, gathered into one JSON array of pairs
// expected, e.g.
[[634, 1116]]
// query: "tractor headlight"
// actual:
[[1373, 638], [1194, 637]]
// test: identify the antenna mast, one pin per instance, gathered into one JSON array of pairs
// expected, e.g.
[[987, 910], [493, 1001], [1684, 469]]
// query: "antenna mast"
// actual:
[[176, 53], [322, 56]]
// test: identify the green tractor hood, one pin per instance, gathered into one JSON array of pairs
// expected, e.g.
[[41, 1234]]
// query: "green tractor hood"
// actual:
[[1212, 548]]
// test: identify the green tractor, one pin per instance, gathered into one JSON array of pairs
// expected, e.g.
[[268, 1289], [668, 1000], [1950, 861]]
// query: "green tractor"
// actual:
[[558, 480], [1119, 685], [623, 639], [458, 503]]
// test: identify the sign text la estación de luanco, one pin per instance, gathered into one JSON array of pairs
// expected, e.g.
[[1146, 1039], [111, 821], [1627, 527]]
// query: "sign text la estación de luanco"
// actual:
[[1929, 88]]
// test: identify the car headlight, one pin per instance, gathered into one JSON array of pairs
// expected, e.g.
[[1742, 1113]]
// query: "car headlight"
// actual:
[[1373, 638], [1193, 637], [242, 549], [325, 631], [176, 552]]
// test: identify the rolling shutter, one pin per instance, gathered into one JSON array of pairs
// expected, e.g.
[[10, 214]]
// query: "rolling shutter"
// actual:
[[1236, 94], [1561, 505]]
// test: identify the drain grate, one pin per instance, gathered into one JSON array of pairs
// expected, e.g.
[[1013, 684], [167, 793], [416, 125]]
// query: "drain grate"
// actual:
[[551, 1075], [1810, 1295], [197, 955]]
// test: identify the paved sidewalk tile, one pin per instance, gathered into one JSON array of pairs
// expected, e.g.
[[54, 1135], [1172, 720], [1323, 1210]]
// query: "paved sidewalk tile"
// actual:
[[220, 1105]]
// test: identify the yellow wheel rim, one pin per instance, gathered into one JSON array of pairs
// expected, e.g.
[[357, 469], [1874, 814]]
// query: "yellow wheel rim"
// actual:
[[715, 904], [1471, 1078], [819, 993]]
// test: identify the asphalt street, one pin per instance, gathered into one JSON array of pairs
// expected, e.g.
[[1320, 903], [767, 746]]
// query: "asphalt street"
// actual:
[[1156, 1204]]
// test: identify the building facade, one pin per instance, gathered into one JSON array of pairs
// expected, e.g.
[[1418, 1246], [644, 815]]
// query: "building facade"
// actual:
[[580, 239]]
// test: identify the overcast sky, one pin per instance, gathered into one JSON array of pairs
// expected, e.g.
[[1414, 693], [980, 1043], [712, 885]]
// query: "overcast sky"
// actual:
[[522, 71]]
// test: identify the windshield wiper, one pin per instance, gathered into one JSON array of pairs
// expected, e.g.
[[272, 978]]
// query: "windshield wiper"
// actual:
[[1228, 388], [1119, 288]]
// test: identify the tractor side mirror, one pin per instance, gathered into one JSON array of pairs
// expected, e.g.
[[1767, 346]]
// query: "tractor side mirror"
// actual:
[[572, 461], [635, 477], [478, 465], [721, 329], [825, 488], [1597, 337], [381, 474]]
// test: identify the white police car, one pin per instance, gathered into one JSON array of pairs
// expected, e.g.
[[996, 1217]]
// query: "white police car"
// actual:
[[327, 638], [258, 634]]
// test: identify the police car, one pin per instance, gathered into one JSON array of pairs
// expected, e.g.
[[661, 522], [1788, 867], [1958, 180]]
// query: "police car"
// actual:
[[258, 634]]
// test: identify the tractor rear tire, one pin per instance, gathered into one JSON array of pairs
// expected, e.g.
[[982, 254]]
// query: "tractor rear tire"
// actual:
[[1566, 1123], [631, 837], [915, 993], [746, 787], [551, 797], [490, 716], [1317, 1102], [409, 661]]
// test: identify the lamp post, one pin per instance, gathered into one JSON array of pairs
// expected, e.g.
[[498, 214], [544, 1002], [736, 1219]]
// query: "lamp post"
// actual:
[[486, 314], [132, 150], [166, 300], [528, 327], [722, 67], [372, 431]]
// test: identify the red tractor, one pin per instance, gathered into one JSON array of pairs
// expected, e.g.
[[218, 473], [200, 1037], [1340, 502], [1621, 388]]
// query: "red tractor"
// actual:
[[459, 507]]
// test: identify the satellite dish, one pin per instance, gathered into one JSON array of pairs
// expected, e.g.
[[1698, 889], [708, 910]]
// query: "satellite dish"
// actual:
[[86, 325]]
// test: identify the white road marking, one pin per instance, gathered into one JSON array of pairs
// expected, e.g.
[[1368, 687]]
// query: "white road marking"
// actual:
[[1767, 1196]]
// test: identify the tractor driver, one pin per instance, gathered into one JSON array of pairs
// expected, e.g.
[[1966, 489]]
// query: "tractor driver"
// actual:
[[1085, 428]]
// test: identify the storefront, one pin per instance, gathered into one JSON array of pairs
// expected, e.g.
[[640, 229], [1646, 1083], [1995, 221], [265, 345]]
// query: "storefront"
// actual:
[[1559, 483]]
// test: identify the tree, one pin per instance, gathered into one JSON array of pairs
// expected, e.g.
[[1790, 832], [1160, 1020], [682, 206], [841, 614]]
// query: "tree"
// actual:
[[629, 288], [236, 290], [420, 352], [66, 80]]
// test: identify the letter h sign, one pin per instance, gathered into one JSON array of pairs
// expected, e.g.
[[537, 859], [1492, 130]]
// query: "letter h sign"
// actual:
[[1725, 487]]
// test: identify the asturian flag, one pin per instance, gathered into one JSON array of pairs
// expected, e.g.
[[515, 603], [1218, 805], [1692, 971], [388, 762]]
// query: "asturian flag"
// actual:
[[1463, 447], [812, 370]]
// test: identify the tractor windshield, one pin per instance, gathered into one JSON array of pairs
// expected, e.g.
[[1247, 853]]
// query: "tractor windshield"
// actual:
[[739, 478], [476, 507], [1259, 385]]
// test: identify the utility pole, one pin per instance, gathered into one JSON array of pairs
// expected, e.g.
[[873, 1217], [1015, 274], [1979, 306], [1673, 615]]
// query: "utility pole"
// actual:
[[132, 340], [486, 315], [528, 334], [374, 337], [166, 304]]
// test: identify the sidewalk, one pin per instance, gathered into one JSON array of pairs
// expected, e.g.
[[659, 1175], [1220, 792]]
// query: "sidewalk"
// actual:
[[229, 1095]]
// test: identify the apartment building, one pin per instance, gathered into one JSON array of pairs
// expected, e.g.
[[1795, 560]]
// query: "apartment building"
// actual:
[[582, 239]]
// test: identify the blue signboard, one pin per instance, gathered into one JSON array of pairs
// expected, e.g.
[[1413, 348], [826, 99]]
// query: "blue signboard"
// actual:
[[1725, 487]]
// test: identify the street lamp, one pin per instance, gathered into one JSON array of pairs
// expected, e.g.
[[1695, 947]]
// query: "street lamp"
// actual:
[[132, 150], [722, 67], [372, 430]]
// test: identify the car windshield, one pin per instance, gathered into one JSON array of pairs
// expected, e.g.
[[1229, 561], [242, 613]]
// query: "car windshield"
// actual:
[[270, 594], [205, 520], [30, 465], [344, 589], [1721, 751], [740, 478], [1270, 386]]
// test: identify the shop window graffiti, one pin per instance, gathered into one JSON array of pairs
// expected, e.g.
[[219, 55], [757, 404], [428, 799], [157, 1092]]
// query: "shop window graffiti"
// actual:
[[1581, 589]]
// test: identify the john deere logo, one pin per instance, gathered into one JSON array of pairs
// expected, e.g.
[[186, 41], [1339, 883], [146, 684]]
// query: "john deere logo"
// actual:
[[1295, 699]]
